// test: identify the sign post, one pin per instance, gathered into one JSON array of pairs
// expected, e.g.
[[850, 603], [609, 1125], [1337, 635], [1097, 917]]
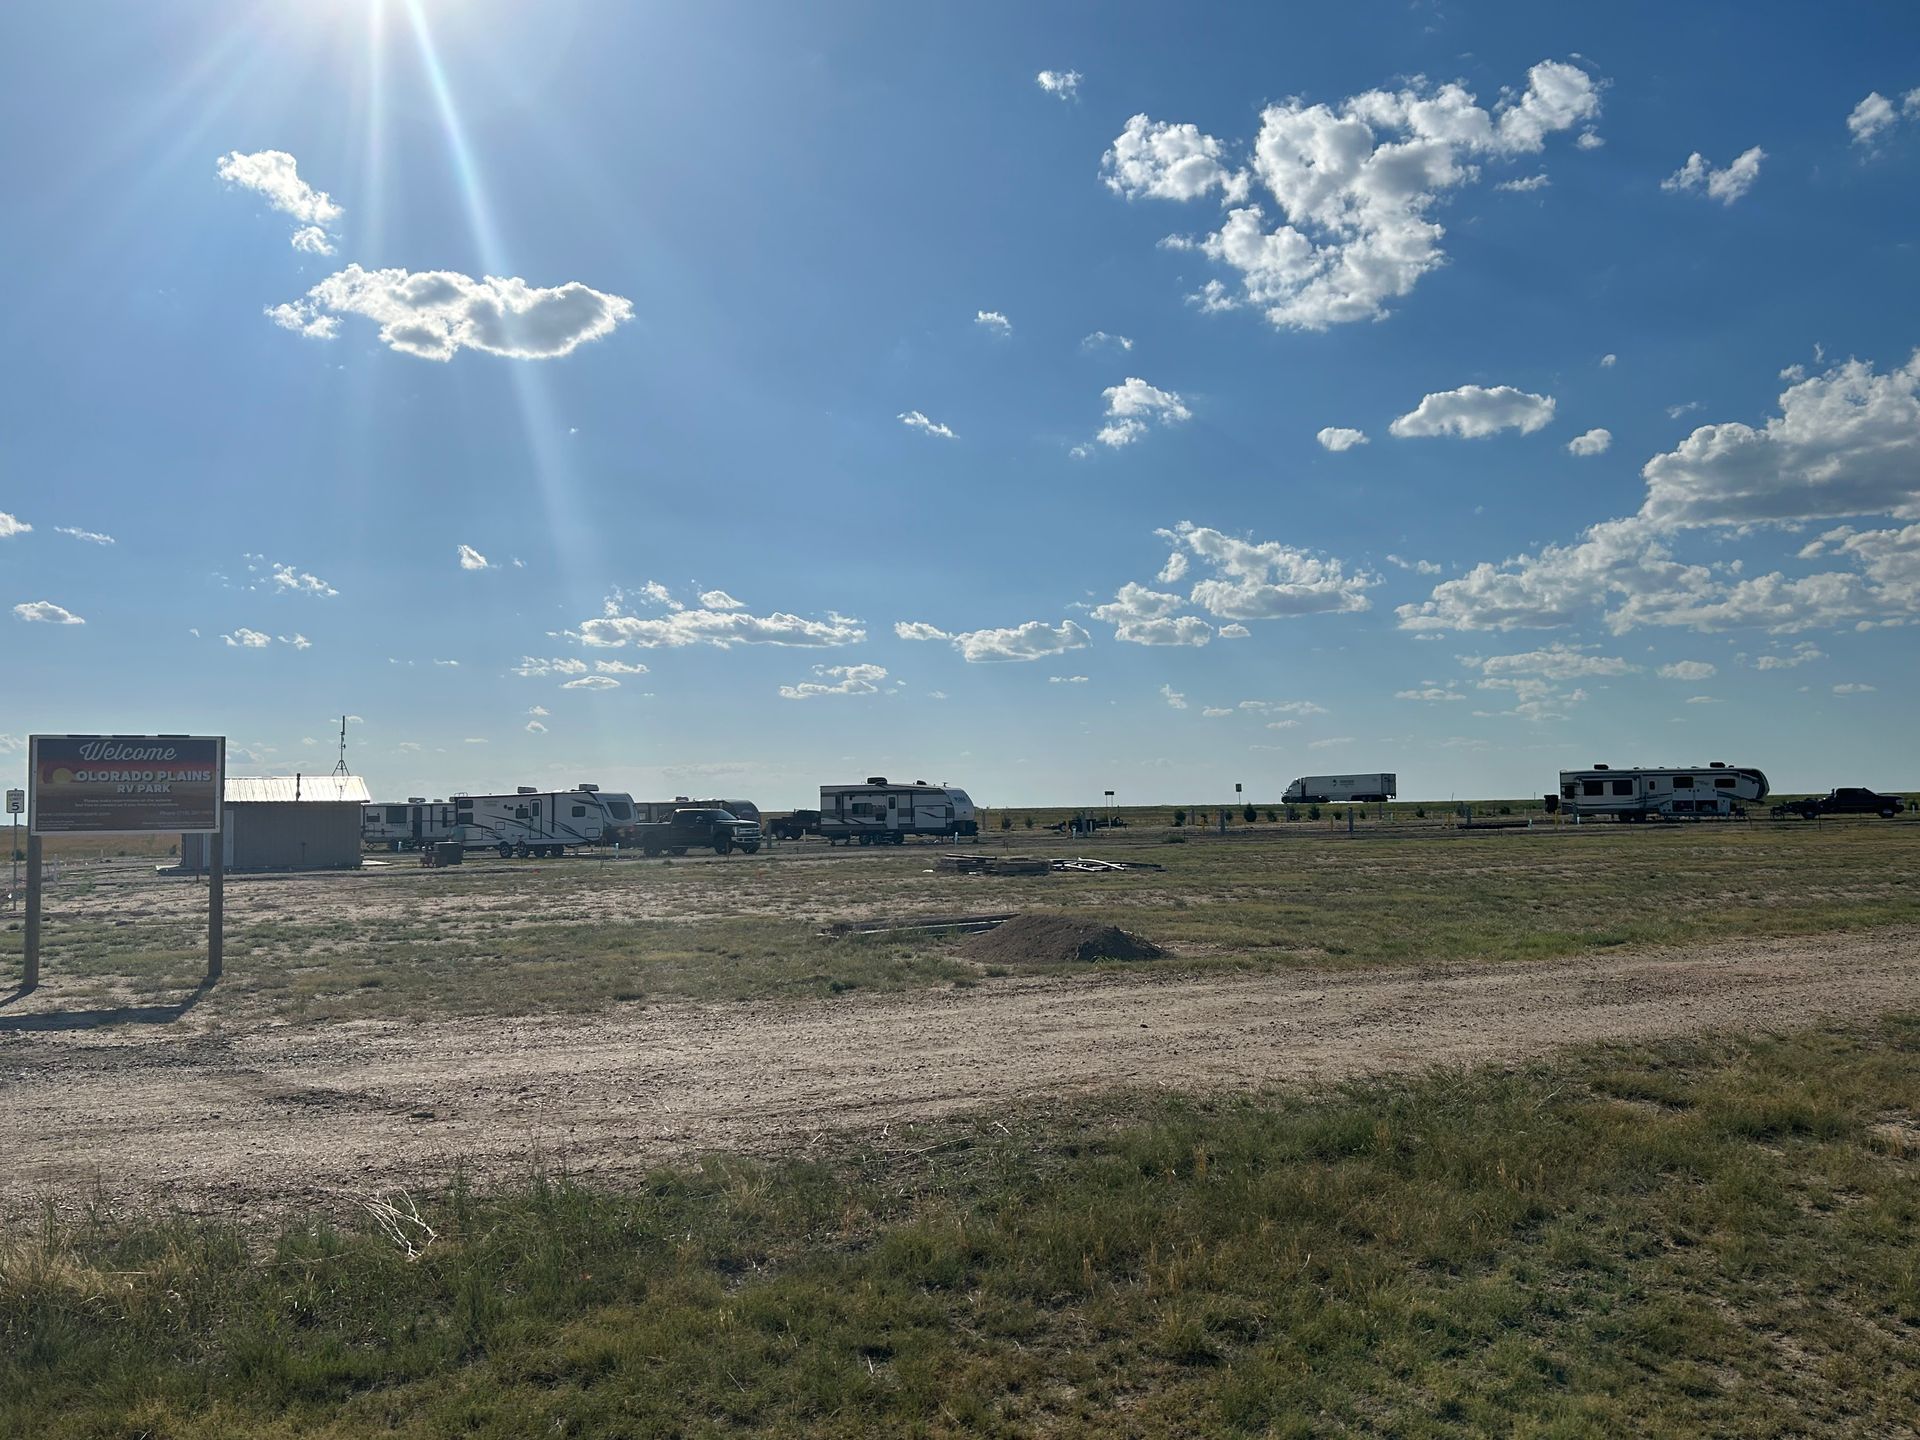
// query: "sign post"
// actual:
[[126, 785], [16, 802]]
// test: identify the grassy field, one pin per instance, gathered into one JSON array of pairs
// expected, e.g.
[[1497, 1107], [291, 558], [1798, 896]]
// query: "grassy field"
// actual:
[[514, 938], [1705, 1238]]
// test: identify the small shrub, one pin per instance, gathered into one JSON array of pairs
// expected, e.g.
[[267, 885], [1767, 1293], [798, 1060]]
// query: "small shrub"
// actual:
[[1006, 822], [1029, 822], [1179, 817], [1313, 812], [1251, 814], [1506, 809], [1419, 812], [1174, 837], [1272, 818]]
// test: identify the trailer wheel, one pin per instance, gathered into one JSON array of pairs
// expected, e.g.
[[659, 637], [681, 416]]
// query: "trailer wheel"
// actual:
[[679, 849], [505, 850], [751, 849], [652, 851]]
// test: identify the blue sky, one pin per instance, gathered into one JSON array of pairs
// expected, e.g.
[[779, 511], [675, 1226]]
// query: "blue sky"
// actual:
[[901, 413]]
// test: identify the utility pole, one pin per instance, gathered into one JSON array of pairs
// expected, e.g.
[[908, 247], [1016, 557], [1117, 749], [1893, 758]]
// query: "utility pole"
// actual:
[[341, 767]]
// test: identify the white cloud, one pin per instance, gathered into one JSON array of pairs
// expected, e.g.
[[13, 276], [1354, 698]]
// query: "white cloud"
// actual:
[[1876, 114], [539, 710], [1174, 569], [1726, 185], [1066, 679], [1173, 697], [1846, 442], [1804, 653], [1282, 707], [837, 680], [1703, 700], [1674, 412], [1215, 712], [297, 641], [448, 664], [1419, 567], [1330, 743], [1353, 184], [1148, 617], [708, 625], [534, 727], [472, 559], [10, 526], [1167, 162], [1034, 640], [1525, 183], [92, 537], [1609, 360], [1064, 84], [1429, 693], [993, 320], [1688, 670], [915, 420], [274, 174], [1474, 411], [1267, 580], [434, 314], [244, 639], [287, 580], [1590, 139], [1594, 442], [1338, 438], [1234, 631], [533, 666], [45, 612], [1854, 688], [719, 600], [1101, 338], [1558, 661], [619, 667], [1132, 405], [592, 682]]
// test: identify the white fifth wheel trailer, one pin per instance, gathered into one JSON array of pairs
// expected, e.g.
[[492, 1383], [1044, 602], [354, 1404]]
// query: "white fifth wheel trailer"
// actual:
[[1661, 793], [877, 812], [528, 822], [1342, 789]]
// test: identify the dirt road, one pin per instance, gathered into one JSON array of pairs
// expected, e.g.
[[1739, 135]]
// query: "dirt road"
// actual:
[[252, 1119]]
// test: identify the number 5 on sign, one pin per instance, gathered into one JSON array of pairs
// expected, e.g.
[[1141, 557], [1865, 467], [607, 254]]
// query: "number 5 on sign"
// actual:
[[16, 802]]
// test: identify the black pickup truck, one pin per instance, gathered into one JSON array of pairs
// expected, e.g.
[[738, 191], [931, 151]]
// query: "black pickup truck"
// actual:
[[792, 827], [1848, 800], [686, 830]]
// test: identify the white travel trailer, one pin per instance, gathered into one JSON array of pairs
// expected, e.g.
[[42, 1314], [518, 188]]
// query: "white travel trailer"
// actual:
[[1661, 794], [1342, 789], [882, 813], [528, 822], [412, 826]]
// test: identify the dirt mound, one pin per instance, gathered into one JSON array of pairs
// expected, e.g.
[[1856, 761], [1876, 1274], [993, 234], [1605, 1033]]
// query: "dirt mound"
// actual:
[[1052, 938]]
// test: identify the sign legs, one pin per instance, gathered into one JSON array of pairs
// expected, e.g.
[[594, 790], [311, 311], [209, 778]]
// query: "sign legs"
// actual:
[[216, 902], [32, 977]]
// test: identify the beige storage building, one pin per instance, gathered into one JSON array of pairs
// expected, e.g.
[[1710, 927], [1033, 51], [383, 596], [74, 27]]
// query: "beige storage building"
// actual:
[[286, 822]]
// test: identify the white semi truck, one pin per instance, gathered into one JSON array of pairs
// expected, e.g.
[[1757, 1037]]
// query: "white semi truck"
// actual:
[[1342, 789], [879, 812]]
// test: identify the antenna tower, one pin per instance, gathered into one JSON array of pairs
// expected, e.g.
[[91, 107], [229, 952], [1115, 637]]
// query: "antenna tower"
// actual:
[[341, 767]]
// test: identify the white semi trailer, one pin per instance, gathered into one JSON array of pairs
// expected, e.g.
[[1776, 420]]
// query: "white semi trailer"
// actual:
[[1342, 789], [879, 812]]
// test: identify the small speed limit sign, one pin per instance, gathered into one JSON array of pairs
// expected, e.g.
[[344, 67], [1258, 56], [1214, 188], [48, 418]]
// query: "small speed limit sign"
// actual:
[[16, 802]]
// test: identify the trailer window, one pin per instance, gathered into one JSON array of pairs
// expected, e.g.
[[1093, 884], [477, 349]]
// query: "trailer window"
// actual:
[[579, 812], [396, 814], [619, 809], [1593, 787], [1623, 787], [519, 812], [1723, 782], [1567, 792]]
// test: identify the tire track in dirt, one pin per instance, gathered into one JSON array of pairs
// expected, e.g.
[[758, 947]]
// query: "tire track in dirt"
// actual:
[[253, 1119]]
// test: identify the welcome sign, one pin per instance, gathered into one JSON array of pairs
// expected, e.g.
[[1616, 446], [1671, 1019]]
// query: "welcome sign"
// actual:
[[125, 784]]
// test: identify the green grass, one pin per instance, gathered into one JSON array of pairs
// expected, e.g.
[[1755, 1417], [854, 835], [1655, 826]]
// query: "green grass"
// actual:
[[1672, 1241], [516, 939]]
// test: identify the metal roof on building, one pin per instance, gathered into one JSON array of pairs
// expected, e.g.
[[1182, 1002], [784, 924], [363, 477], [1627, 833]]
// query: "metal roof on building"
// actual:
[[307, 789]]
